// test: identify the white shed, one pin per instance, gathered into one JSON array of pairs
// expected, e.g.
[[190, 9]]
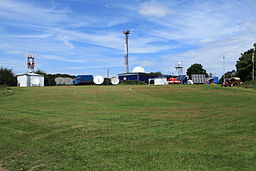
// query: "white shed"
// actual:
[[158, 81], [30, 80]]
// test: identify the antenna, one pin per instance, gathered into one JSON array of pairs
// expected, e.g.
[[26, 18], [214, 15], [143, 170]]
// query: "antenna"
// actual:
[[59, 81], [115, 80], [98, 79], [126, 65], [35, 82], [68, 81], [31, 62]]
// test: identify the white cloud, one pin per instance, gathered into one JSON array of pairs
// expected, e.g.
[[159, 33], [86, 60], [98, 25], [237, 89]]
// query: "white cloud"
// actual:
[[66, 59], [51, 57], [34, 36], [28, 13], [210, 54], [155, 9]]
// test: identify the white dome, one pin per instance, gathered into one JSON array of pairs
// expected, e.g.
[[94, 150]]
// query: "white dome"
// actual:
[[138, 69]]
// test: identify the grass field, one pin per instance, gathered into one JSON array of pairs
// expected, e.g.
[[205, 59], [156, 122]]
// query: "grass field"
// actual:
[[128, 128]]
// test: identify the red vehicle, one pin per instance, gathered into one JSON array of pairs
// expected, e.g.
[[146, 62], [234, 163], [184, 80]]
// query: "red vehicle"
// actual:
[[173, 81], [230, 82]]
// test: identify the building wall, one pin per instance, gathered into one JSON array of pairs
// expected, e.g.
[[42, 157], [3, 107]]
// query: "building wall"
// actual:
[[25, 80], [40, 78], [160, 81], [138, 77], [22, 81]]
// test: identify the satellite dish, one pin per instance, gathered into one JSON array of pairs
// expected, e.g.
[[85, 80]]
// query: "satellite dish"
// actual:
[[59, 81], [35, 81], [138, 69], [98, 79], [68, 81], [190, 82], [114, 80]]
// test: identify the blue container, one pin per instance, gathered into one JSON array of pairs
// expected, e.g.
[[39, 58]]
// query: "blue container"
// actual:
[[83, 79], [216, 80]]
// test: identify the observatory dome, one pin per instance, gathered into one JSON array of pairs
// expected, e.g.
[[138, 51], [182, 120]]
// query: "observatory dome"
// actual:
[[138, 69]]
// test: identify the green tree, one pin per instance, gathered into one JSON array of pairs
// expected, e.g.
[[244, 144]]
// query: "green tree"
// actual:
[[155, 74], [40, 72], [49, 79], [244, 65], [228, 74], [196, 69], [7, 77]]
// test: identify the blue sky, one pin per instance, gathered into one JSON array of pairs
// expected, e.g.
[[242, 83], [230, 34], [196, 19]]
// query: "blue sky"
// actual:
[[85, 36]]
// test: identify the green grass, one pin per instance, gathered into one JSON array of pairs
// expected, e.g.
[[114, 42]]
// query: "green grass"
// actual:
[[128, 128]]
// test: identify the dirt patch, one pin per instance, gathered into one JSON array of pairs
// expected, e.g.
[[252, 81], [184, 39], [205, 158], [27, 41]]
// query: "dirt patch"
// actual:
[[2, 169]]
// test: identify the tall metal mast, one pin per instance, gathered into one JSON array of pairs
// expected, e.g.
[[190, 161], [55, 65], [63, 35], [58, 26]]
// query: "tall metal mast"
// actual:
[[126, 66], [253, 63]]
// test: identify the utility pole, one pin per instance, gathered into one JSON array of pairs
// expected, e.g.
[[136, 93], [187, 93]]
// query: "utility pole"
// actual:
[[126, 67], [108, 77]]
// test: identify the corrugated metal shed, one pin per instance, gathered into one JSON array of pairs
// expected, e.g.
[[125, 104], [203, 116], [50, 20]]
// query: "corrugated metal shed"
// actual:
[[199, 78]]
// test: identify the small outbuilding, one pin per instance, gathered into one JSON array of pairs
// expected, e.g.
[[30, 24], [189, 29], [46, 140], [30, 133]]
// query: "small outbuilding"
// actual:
[[158, 81], [30, 80]]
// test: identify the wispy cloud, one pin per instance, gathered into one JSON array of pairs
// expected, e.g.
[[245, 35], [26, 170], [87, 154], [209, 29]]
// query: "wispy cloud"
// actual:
[[84, 35], [154, 8], [28, 13]]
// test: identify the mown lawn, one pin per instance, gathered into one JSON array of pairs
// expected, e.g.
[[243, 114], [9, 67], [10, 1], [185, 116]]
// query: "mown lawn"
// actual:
[[128, 128]]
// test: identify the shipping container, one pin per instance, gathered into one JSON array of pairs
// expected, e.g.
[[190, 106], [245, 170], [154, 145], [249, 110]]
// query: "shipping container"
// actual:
[[83, 80]]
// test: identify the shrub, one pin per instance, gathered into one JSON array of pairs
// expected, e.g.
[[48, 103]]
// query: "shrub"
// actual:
[[7, 77], [132, 82], [249, 84]]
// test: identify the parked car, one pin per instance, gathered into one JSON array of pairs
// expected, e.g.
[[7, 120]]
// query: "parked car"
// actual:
[[173, 81]]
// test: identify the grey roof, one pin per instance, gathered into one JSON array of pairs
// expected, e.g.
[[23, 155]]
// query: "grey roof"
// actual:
[[31, 74]]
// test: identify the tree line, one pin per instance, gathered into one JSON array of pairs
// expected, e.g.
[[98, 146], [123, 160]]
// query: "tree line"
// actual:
[[8, 78], [243, 70]]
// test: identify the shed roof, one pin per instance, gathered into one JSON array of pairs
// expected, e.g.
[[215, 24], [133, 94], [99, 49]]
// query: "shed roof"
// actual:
[[31, 74]]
